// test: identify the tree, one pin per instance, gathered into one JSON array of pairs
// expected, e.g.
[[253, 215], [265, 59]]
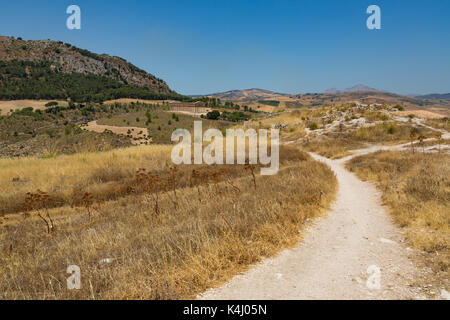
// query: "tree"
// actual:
[[213, 115]]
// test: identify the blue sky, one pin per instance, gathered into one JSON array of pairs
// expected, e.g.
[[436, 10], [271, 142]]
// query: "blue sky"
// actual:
[[202, 46]]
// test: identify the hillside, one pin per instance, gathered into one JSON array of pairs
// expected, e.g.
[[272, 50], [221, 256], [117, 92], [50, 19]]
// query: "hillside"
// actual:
[[44, 69], [357, 88], [246, 95], [435, 96]]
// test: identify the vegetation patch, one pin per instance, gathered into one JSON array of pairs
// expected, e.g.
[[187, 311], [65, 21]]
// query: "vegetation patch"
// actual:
[[272, 103]]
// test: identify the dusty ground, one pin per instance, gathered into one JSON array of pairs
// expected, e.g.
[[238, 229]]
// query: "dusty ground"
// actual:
[[134, 131], [340, 255]]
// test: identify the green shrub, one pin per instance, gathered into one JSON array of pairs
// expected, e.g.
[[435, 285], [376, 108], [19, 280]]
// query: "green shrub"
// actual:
[[313, 126]]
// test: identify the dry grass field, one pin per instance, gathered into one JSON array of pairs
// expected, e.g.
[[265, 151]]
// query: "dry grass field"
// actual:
[[65, 175], [416, 187], [335, 145], [162, 233], [425, 114], [7, 106], [332, 147]]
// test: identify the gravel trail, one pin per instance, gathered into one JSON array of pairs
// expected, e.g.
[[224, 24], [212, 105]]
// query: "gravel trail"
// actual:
[[355, 252]]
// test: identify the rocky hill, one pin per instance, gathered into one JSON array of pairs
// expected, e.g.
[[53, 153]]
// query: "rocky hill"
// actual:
[[63, 58]]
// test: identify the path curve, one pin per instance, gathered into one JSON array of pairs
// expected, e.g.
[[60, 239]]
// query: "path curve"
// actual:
[[333, 259]]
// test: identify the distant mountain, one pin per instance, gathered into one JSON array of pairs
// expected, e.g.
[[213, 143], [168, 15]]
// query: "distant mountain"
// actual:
[[246, 95], [45, 69], [357, 88], [434, 96]]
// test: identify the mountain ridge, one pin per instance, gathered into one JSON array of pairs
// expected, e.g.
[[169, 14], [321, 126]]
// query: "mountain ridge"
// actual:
[[434, 96], [356, 88]]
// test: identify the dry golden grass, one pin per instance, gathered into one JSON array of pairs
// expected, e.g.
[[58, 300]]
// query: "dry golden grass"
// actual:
[[105, 175], [199, 237], [65, 174], [429, 143], [425, 114], [417, 189], [331, 147], [335, 145], [7, 106], [294, 117], [443, 123], [389, 132]]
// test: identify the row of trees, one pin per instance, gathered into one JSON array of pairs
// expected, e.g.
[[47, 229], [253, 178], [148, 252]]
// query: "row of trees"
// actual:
[[211, 102]]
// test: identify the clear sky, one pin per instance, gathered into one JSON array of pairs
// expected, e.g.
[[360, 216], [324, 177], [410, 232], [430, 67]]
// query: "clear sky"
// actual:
[[206, 46]]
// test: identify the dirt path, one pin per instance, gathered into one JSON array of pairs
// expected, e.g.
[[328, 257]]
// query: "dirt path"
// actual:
[[339, 256], [138, 134]]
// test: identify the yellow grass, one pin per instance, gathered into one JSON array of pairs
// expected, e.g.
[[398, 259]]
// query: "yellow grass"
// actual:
[[425, 114], [6, 106], [64, 173], [333, 148]]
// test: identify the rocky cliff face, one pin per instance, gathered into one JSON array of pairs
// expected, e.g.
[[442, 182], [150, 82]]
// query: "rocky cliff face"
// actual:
[[69, 59]]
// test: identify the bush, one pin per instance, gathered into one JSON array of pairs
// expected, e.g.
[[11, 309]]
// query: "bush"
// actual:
[[391, 129], [213, 115], [313, 126], [51, 104]]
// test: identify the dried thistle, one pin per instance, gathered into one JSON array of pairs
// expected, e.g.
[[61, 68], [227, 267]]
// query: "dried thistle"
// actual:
[[150, 184], [251, 168], [88, 200]]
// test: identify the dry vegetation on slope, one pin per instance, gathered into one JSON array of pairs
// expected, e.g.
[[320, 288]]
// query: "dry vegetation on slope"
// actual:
[[417, 189], [154, 243]]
